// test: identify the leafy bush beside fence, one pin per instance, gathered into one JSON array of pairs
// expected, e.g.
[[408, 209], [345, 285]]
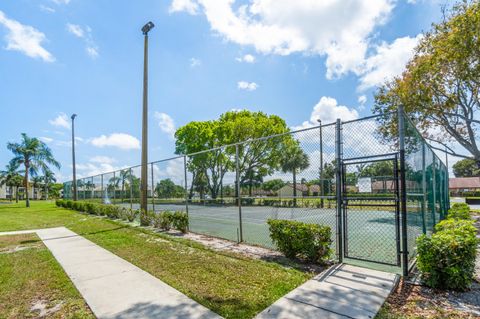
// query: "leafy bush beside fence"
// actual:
[[297, 239], [164, 220], [447, 258], [459, 211]]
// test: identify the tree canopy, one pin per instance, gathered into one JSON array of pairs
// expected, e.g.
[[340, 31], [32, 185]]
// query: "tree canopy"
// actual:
[[466, 168], [440, 88], [256, 158]]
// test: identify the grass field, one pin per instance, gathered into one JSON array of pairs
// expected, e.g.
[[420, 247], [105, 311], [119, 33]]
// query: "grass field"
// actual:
[[33, 284], [231, 285]]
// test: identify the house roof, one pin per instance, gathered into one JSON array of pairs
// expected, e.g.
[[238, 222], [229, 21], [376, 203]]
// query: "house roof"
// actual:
[[464, 182], [303, 187]]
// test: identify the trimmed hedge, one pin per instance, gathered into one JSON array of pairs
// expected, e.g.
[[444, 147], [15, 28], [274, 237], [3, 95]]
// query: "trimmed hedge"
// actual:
[[164, 220], [297, 239], [447, 258]]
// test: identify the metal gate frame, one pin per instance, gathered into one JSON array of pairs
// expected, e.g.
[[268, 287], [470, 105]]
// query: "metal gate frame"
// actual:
[[394, 158]]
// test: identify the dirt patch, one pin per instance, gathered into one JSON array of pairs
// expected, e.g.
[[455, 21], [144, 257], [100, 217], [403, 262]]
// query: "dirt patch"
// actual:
[[250, 251], [41, 309]]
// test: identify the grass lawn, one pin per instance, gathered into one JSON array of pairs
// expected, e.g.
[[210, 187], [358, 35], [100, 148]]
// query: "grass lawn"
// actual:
[[231, 285], [33, 284]]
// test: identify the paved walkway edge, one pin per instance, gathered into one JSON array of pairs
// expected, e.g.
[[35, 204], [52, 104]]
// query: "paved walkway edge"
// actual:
[[111, 286], [343, 291]]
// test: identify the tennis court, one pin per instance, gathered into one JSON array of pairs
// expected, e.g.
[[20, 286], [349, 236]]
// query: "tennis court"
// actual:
[[389, 193]]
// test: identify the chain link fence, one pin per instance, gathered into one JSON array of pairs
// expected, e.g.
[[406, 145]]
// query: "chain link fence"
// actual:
[[344, 175]]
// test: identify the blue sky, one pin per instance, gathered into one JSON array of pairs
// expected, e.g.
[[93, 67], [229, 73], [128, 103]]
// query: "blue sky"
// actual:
[[301, 60]]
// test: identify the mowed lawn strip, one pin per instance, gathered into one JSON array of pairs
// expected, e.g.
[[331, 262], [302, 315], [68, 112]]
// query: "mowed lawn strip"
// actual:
[[229, 284], [32, 283]]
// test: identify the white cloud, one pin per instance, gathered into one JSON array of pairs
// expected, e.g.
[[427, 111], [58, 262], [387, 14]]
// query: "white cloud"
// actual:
[[102, 160], [183, 5], [93, 169], [249, 86], [195, 62], [61, 1], [248, 58], [388, 61], [327, 110], [362, 99], [172, 169], [166, 123], [60, 121], [76, 30], [86, 34], [92, 51], [340, 30], [45, 139], [119, 140], [25, 39], [46, 9]]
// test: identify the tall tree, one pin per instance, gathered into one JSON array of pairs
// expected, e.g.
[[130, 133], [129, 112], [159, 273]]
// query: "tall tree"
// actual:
[[9, 177], [466, 168], [37, 182], [48, 179], [125, 177], [32, 154], [440, 86], [257, 157], [294, 160]]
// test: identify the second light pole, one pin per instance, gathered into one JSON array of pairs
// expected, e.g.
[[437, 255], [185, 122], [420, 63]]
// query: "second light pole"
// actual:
[[144, 174]]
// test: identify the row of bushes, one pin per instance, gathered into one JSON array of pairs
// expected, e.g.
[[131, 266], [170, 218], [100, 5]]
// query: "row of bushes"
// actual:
[[164, 220], [446, 259], [297, 239]]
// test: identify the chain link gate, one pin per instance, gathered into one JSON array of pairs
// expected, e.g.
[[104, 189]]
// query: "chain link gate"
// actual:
[[371, 209]]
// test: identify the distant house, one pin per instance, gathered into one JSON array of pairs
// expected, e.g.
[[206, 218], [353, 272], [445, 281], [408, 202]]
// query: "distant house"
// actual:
[[302, 190], [461, 185]]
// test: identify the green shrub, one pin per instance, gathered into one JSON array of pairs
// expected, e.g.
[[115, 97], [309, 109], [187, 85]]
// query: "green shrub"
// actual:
[[147, 218], [90, 208], [165, 220], [297, 239], [131, 214], [180, 221], [78, 206], [69, 204], [447, 258], [459, 211]]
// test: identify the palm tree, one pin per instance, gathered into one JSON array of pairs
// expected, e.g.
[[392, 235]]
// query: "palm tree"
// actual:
[[124, 176], [9, 177], [294, 160], [32, 154], [48, 179], [36, 183]]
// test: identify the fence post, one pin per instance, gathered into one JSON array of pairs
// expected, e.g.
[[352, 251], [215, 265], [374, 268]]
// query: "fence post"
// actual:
[[186, 187], [338, 175], [434, 191], [239, 197], [321, 184], [114, 187], [424, 190], [403, 188], [101, 189], [153, 189], [131, 187]]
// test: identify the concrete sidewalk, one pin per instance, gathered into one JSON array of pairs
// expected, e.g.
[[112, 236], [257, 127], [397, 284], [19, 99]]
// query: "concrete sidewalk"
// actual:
[[113, 287], [343, 291]]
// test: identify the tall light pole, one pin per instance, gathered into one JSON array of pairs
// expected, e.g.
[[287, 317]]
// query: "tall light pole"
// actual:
[[144, 174], [321, 184], [73, 158]]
